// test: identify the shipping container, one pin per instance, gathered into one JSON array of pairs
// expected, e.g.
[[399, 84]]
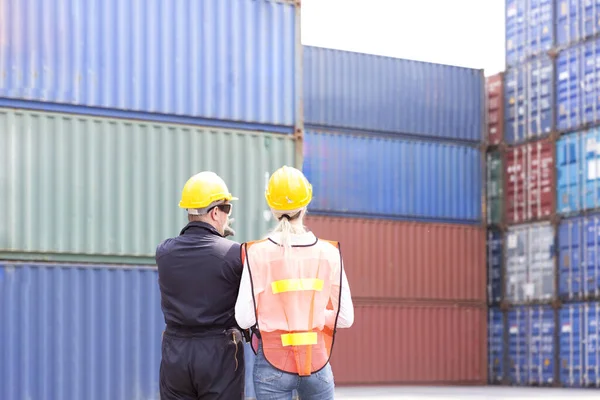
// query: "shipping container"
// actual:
[[578, 171], [529, 29], [531, 345], [529, 181], [495, 108], [578, 262], [529, 273], [215, 59], [87, 188], [495, 252], [576, 20], [72, 332], [422, 344], [393, 178], [382, 94], [578, 88], [529, 101], [495, 188], [495, 346], [579, 346], [408, 260]]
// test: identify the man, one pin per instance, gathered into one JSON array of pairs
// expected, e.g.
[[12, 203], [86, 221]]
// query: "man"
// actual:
[[199, 275]]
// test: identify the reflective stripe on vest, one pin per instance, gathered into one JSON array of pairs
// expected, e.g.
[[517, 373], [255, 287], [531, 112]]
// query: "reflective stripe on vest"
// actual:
[[294, 312]]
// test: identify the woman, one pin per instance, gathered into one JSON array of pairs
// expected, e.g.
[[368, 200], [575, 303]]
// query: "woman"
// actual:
[[294, 294]]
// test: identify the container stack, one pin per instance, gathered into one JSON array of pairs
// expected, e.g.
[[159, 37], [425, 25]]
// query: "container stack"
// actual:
[[392, 148], [547, 274], [106, 109]]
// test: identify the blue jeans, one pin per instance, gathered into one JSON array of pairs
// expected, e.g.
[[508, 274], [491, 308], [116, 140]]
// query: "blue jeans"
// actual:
[[273, 384]]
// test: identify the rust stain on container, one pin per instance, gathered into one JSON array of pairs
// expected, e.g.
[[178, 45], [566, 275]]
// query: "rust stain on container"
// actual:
[[412, 344], [530, 193], [495, 108], [408, 260]]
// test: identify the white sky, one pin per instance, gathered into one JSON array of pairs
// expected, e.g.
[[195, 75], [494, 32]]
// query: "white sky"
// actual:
[[467, 33]]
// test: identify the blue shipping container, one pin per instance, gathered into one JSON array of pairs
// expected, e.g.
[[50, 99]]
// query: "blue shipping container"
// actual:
[[579, 351], [218, 59], [531, 345], [495, 345], [529, 29], [528, 100], [578, 171], [373, 93], [79, 332], [576, 20], [579, 257], [529, 269], [578, 97], [392, 178], [494, 260]]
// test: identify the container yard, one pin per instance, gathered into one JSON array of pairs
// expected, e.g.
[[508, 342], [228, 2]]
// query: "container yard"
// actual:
[[466, 204]]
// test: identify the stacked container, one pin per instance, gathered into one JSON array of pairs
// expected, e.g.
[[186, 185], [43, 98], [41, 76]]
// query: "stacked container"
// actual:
[[107, 108], [392, 149], [550, 277]]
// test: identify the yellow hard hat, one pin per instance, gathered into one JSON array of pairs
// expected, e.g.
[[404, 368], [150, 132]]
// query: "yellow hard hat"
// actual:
[[203, 189], [288, 189]]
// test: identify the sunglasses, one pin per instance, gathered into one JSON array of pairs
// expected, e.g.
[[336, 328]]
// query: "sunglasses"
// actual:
[[226, 208]]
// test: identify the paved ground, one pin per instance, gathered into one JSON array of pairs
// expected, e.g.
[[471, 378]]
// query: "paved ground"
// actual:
[[463, 393]]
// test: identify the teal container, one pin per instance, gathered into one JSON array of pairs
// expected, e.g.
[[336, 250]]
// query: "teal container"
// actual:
[[88, 189]]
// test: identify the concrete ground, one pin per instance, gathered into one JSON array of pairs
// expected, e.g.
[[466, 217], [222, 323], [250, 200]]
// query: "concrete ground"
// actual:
[[463, 393]]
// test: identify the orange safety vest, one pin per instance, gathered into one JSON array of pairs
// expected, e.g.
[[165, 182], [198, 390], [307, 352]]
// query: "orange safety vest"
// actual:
[[295, 317]]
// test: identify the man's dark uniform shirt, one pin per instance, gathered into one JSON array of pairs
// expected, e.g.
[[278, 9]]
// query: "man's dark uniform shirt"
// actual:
[[199, 277]]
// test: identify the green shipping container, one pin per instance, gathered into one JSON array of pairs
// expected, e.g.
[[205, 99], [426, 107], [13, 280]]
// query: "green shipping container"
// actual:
[[495, 188], [78, 188]]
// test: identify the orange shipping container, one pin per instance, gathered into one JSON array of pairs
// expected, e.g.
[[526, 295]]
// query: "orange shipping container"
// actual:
[[414, 343], [408, 260]]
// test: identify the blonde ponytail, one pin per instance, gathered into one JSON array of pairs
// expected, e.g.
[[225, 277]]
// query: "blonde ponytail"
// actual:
[[287, 227]]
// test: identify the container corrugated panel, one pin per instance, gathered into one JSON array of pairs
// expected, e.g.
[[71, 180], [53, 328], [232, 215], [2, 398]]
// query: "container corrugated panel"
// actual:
[[495, 108], [219, 59], [529, 272], [111, 187], [495, 188], [576, 20], [74, 332], [578, 171], [392, 178], [578, 97], [529, 29], [412, 344], [374, 93], [408, 260], [531, 345], [529, 182], [495, 248], [529, 100], [579, 264], [495, 345], [579, 345]]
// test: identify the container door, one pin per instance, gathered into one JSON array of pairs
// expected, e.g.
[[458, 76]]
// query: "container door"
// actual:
[[495, 188], [540, 282], [592, 364], [571, 366], [568, 162], [494, 260], [517, 346], [516, 264], [495, 345], [569, 258]]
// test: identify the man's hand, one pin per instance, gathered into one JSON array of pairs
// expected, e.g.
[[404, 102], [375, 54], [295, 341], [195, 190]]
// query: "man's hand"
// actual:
[[228, 231]]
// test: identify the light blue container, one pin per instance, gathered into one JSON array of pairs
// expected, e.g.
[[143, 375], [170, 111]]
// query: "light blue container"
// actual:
[[578, 171]]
